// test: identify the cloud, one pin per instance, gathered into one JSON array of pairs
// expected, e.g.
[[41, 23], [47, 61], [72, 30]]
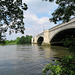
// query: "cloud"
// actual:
[[36, 25], [36, 18], [39, 6]]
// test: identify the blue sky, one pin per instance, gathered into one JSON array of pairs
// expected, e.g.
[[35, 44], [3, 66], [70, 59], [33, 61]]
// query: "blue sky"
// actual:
[[36, 18]]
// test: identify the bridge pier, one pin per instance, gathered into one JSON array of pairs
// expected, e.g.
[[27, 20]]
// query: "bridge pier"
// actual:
[[46, 38], [34, 40]]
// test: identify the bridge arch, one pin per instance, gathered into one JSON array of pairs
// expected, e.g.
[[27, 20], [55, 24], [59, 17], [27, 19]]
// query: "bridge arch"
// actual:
[[62, 34], [40, 40], [56, 34]]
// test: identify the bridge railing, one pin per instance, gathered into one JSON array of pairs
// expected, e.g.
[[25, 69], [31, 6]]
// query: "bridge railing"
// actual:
[[62, 24]]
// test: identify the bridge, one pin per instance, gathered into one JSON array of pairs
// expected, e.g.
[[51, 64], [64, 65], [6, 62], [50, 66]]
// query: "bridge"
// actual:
[[56, 34]]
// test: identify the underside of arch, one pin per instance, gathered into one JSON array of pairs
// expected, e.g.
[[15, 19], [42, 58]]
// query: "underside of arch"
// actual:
[[57, 39], [40, 40]]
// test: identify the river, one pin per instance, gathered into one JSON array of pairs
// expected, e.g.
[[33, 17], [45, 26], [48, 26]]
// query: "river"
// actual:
[[28, 59]]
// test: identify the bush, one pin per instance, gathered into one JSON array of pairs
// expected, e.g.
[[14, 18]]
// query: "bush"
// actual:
[[65, 67], [70, 43]]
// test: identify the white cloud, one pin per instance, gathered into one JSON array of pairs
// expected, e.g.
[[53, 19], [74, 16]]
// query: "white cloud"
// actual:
[[35, 25], [39, 6], [36, 17]]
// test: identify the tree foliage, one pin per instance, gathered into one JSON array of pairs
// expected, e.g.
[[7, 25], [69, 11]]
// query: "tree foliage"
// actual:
[[23, 40], [11, 15], [64, 12], [70, 43], [2, 39]]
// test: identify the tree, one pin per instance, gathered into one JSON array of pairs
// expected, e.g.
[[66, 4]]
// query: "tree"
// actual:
[[11, 15], [28, 39], [22, 40], [2, 39], [18, 40], [64, 12]]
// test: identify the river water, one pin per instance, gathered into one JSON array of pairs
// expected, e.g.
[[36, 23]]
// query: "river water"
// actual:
[[27, 59]]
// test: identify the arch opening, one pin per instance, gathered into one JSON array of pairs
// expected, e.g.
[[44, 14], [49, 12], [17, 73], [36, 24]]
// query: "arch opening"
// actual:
[[60, 36], [40, 40]]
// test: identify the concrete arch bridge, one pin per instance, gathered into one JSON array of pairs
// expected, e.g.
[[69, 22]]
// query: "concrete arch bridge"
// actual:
[[55, 34]]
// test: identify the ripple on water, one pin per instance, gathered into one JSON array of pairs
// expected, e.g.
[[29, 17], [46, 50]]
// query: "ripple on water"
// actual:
[[27, 59]]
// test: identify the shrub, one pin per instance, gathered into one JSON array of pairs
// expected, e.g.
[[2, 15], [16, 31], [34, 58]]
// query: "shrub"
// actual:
[[65, 67]]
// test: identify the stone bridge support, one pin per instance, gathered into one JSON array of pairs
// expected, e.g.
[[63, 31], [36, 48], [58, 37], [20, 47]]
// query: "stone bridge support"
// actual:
[[46, 37], [34, 40]]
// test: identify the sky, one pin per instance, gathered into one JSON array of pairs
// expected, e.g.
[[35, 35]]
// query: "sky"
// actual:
[[36, 18]]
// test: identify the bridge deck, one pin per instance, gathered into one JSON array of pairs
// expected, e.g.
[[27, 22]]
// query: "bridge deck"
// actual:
[[62, 24]]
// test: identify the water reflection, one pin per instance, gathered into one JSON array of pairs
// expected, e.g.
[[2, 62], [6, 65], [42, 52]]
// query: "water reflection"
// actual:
[[27, 59], [60, 51]]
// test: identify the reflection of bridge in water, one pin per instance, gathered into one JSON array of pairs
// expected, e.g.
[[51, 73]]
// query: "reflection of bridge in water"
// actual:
[[56, 34]]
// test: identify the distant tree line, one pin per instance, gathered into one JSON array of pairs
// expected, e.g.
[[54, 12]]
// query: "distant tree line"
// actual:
[[23, 40]]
